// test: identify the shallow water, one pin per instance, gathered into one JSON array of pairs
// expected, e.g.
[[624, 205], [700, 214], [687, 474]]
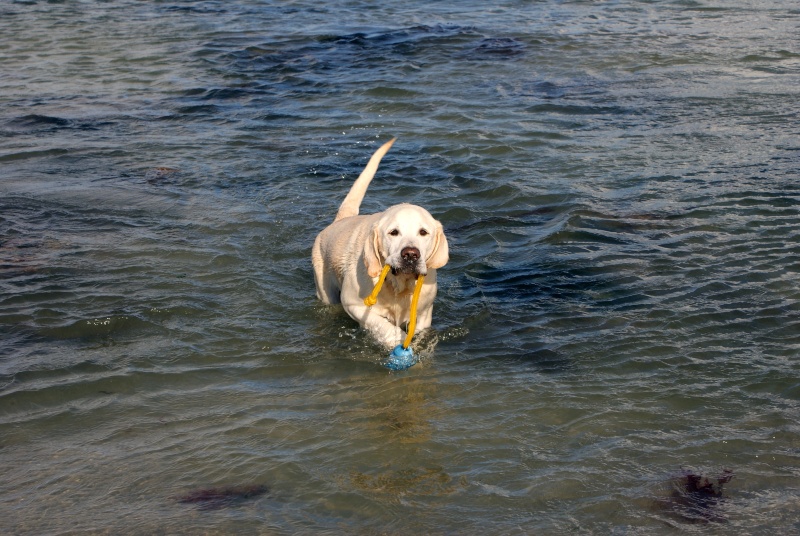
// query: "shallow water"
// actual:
[[619, 186]]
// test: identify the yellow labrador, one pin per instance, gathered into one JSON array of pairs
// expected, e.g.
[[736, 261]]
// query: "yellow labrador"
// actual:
[[349, 254]]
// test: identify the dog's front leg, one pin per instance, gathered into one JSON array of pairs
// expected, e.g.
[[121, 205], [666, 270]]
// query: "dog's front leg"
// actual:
[[377, 325]]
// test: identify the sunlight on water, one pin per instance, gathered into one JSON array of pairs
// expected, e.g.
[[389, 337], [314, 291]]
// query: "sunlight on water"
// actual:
[[615, 339]]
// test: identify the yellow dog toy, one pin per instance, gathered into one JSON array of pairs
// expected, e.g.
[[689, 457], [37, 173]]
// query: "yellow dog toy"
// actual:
[[402, 357]]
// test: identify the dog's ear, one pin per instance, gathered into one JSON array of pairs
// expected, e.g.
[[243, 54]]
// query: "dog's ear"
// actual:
[[372, 253], [441, 252]]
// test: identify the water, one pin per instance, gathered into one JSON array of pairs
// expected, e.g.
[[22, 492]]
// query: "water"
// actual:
[[619, 184]]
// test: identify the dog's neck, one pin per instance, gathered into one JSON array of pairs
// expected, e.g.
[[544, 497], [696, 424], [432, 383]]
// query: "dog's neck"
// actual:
[[402, 283]]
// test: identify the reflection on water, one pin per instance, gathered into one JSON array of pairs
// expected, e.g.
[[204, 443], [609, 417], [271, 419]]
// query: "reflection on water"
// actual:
[[618, 182], [400, 484]]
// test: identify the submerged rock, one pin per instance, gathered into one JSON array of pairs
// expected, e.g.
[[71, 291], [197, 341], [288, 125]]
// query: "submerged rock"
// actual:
[[696, 497]]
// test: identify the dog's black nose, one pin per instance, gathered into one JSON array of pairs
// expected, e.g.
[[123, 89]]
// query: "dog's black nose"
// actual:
[[410, 255]]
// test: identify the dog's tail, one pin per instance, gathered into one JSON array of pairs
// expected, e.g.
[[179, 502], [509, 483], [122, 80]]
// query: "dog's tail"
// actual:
[[352, 202]]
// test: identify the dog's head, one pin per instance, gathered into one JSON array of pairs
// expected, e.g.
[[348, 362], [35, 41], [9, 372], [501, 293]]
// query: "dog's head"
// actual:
[[407, 238]]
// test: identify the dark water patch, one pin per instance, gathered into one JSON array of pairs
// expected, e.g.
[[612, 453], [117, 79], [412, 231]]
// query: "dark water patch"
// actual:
[[506, 283], [544, 360], [549, 90], [495, 48], [777, 55], [200, 110], [229, 93], [35, 386], [574, 109], [334, 55], [40, 121], [579, 88], [401, 39], [392, 93], [577, 237], [35, 154], [195, 92], [223, 497], [625, 225], [763, 198], [196, 8], [35, 123], [509, 354]]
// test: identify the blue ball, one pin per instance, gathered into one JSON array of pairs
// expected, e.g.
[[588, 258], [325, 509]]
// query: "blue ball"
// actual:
[[401, 358]]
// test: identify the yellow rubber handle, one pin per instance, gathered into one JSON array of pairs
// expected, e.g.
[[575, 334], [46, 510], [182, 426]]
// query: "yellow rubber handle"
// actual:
[[372, 299], [412, 321]]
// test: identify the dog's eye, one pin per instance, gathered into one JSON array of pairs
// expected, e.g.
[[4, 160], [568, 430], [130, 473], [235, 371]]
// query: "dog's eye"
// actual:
[[394, 232], [423, 232]]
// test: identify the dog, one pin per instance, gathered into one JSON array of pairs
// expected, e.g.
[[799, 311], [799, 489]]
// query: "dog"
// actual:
[[349, 254]]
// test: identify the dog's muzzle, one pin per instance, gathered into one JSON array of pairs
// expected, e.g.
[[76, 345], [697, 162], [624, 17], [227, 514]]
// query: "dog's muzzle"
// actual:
[[409, 262]]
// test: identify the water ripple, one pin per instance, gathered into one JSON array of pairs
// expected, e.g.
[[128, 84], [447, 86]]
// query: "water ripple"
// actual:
[[618, 186]]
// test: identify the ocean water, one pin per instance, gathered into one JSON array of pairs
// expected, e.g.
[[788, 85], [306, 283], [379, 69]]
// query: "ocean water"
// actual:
[[615, 342]]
